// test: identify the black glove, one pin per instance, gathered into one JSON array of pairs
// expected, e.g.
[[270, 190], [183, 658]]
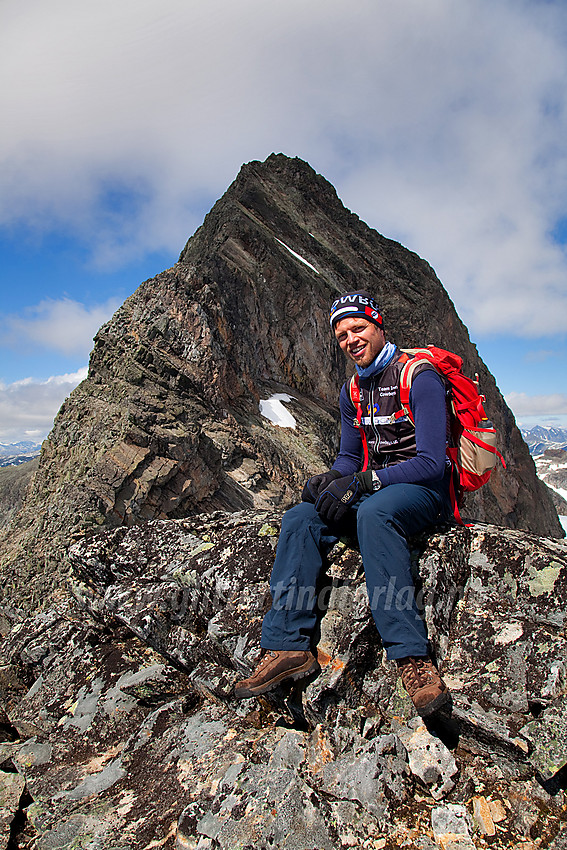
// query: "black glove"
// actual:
[[315, 486], [341, 494]]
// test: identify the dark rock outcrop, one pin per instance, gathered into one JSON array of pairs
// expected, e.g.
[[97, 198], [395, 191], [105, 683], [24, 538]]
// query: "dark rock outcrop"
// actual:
[[167, 423], [559, 503], [120, 729], [14, 485]]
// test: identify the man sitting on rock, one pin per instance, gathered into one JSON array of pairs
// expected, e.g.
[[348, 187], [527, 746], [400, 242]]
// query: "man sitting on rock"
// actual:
[[389, 486]]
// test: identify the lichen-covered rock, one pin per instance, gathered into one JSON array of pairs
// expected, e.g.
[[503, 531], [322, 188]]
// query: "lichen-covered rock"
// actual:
[[121, 723], [451, 827], [483, 816], [507, 648], [548, 738], [492, 600]]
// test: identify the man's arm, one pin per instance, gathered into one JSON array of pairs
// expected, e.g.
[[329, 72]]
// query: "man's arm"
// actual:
[[427, 401], [349, 458]]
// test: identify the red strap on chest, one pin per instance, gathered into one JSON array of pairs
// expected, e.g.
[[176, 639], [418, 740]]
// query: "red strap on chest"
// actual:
[[355, 398]]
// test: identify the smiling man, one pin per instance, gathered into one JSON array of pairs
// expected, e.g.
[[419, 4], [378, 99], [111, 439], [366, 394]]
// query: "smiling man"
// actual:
[[389, 481]]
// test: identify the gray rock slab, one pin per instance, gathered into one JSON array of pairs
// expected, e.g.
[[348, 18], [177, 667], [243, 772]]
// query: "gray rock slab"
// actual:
[[452, 827], [548, 736], [429, 759], [11, 789]]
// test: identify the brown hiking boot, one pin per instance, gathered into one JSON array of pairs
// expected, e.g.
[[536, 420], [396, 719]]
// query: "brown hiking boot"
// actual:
[[274, 668], [422, 681]]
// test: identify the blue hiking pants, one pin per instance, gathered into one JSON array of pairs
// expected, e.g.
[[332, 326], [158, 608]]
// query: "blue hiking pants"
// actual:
[[384, 521]]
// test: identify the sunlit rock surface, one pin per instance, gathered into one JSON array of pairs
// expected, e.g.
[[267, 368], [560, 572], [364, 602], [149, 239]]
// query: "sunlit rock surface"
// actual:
[[119, 716]]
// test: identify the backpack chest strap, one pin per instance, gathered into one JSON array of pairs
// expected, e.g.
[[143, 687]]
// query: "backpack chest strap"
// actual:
[[354, 392]]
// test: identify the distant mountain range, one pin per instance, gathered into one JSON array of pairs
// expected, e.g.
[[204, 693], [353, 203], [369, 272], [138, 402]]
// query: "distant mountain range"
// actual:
[[12, 454], [542, 438]]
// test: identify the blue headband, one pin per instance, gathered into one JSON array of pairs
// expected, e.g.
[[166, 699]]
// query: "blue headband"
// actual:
[[356, 304]]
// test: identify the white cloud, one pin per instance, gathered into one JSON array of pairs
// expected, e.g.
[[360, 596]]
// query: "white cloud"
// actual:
[[61, 325], [522, 404], [440, 123], [540, 356], [28, 407]]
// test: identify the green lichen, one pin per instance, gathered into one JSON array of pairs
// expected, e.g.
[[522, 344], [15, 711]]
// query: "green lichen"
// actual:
[[267, 531], [548, 737], [36, 813], [543, 581]]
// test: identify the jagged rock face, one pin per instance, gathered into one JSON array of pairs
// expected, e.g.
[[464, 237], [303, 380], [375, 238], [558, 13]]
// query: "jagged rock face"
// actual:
[[552, 469], [121, 730], [14, 484], [167, 422]]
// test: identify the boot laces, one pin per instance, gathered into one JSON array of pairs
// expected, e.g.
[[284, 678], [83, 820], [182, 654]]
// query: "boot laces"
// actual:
[[416, 673], [264, 659]]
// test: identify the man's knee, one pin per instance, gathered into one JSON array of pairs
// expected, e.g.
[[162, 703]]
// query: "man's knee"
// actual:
[[407, 508], [374, 510], [299, 515]]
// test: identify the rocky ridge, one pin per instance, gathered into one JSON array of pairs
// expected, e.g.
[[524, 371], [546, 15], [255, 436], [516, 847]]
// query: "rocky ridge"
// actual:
[[551, 468], [167, 423], [15, 482], [120, 730]]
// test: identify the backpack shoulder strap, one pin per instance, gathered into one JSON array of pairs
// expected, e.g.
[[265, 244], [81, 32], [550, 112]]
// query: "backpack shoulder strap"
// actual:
[[354, 391], [415, 357], [354, 394]]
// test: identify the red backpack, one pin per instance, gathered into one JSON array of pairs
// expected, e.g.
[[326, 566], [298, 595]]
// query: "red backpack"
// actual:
[[472, 450]]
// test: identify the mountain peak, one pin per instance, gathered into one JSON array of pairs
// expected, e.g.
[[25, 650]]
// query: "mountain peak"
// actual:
[[541, 438]]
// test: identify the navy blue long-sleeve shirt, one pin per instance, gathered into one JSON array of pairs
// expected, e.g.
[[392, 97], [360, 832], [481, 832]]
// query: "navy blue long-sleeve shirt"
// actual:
[[427, 403]]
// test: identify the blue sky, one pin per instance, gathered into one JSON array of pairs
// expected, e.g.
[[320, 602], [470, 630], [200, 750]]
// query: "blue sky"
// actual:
[[441, 124]]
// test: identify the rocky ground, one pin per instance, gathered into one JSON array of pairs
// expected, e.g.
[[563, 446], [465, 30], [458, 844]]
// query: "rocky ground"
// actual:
[[120, 729]]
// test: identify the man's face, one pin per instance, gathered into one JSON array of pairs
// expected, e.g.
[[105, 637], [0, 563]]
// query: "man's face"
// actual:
[[360, 340]]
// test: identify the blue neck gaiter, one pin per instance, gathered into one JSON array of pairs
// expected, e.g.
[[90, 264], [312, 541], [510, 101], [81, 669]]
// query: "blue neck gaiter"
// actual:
[[379, 363]]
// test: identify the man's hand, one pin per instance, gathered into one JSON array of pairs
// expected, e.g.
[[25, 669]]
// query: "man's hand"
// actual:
[[315, 486], [341, 494]]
